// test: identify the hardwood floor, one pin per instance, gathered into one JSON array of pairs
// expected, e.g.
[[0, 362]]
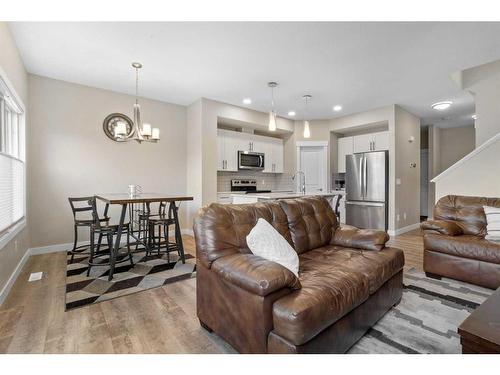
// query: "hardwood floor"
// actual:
[[161, 320]]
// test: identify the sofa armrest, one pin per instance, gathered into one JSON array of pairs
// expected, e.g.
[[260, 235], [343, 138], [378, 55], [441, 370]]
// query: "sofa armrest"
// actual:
[[365, 239], [254, 274], [448, 228]]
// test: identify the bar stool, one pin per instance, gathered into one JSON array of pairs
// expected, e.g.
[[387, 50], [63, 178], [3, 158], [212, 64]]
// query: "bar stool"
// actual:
[[78, 210], [104, 229], [163, 220]]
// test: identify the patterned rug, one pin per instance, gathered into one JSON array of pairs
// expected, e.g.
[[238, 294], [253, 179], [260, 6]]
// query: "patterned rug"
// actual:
[[427, 318], [148, 272]]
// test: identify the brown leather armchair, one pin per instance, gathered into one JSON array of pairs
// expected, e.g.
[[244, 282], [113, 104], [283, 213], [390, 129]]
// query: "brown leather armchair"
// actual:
[[454, 244], [347, 279]]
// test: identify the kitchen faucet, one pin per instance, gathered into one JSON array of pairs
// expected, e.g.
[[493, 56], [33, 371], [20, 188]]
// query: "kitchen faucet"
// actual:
[[303, 187]]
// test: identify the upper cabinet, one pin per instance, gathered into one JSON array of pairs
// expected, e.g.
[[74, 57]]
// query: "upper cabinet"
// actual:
[[345, 147], [371, 142], [230, 142]]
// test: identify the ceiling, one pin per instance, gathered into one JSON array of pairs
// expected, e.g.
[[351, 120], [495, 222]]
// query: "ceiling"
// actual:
[[357, 65]]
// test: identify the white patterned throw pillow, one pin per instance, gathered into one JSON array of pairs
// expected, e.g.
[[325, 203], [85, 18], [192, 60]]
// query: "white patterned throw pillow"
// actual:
[[266, 242], [493, 223]]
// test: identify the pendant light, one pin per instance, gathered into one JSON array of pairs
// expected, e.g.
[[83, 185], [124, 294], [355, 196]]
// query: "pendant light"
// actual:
[[307, 130], [141, 132], [272, 112]]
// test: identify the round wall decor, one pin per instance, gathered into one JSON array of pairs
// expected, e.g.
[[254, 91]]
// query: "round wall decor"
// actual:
[[109, 125]]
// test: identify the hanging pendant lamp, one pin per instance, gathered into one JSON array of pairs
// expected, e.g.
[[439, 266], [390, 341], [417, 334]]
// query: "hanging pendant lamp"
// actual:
[[307, 130], [272, 112]]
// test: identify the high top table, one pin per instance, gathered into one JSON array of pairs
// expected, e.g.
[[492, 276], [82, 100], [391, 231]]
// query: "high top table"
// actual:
[[124, 200]]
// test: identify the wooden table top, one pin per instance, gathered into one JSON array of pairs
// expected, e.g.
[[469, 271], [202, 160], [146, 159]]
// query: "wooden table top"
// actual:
[[484, 322], [125, 198]]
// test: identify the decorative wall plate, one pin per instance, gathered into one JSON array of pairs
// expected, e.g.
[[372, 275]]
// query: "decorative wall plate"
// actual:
[[109, 124]]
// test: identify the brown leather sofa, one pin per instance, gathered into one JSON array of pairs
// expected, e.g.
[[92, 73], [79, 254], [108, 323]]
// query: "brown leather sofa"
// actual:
[[454, 244], [347, 279]]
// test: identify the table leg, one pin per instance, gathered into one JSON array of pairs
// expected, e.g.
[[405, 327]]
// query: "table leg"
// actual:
[[178, 236], [114, 251]]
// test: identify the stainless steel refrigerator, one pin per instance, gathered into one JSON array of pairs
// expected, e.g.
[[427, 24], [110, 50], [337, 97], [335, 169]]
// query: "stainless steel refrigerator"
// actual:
[[367, 190]]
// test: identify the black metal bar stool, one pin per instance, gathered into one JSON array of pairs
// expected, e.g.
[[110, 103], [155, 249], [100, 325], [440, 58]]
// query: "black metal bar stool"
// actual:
[[162, 221], [104, 229], [79, 206]]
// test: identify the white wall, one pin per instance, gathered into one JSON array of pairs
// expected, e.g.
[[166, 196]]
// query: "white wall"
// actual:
[[484, 83], [12, 67], [475, 175], [71, 155]]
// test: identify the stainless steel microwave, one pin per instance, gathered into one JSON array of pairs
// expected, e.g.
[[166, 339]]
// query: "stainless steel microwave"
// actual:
[[250, 160]]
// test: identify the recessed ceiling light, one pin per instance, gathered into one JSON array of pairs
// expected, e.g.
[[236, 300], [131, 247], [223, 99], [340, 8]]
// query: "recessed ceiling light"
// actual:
[[337, 108], [441, 106], [291, 113], [247, 101], [474, 117]]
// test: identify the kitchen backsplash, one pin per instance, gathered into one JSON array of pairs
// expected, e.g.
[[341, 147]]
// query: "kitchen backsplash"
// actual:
[[265, 181]]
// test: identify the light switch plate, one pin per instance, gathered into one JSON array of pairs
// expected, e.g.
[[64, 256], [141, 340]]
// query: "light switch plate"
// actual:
[[35, 276]]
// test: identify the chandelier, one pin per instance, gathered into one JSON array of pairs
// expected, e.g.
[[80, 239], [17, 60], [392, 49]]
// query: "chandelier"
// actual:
[[140, 132]]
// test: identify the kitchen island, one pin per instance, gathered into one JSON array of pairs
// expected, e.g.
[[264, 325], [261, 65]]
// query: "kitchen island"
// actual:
[[258, 197]]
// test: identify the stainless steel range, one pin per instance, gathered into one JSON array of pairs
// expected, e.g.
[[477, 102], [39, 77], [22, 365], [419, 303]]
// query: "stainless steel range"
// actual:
[[248, 185]]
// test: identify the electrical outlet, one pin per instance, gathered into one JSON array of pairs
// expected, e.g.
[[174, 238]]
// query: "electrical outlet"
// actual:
[[397, 217], [35, 276]]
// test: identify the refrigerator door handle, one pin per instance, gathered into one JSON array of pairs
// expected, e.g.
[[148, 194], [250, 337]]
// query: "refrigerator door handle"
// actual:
[[361, 190], [365, 194], [364, 177], [367, 204]]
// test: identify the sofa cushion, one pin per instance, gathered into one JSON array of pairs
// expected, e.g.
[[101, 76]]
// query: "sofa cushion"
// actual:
[[467, 212], [466, 246], [377, 267], [311, 222], [334, 281], [221, 230]]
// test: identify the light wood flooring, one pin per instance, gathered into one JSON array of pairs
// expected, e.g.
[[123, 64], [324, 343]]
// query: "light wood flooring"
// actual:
[[161, 320]]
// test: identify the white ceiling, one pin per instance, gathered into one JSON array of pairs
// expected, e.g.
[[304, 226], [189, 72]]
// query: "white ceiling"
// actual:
[[358, 65]]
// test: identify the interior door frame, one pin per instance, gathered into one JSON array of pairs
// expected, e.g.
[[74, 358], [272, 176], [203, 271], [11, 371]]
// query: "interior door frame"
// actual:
[[324, 144]]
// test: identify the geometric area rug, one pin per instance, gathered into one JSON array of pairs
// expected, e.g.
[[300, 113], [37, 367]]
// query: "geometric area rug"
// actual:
[[148, 272], [427, 318]]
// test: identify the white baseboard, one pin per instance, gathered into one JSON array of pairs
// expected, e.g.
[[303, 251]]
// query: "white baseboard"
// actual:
[[13, 277], [399, 231], [47, 250]]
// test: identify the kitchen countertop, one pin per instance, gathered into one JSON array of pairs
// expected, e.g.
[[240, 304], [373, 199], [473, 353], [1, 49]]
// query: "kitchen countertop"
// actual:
[[283, 195]]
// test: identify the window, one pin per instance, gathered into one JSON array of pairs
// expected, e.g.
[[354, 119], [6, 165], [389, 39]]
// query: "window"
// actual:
[[12, 160]]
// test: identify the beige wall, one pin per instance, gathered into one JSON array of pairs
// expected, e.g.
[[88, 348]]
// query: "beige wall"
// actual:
[[454, 144], [12, 67], [407, 154], [71, 156]]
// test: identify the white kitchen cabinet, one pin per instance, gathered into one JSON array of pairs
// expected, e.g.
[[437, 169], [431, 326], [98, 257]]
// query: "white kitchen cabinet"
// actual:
[[381, 141], [345, 147], [371, 142], [363, 143], [230, 142], [273, 152]]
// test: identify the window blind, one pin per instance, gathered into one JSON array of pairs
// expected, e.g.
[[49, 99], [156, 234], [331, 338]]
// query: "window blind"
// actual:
[[12, 168], [11, 191]]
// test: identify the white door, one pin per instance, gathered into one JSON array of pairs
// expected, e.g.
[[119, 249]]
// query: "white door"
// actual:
[[312, 161]]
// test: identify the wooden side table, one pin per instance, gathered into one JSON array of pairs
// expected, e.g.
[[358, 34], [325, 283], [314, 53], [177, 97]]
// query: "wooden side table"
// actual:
[[480, 332]]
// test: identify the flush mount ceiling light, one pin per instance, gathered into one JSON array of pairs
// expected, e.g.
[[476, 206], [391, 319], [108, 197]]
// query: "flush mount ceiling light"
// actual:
[[441, 106], [307, 130], [291, 113], [137, 130], [272, 112], [247, 101], [337, 108]]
